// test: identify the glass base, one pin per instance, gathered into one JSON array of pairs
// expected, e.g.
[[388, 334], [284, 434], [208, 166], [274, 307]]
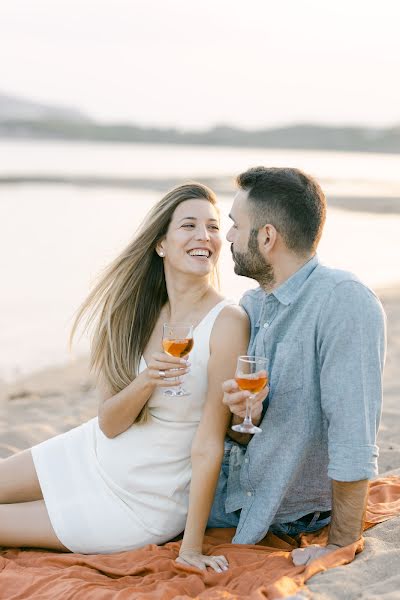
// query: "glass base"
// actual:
[[246, 428], [179, 393]]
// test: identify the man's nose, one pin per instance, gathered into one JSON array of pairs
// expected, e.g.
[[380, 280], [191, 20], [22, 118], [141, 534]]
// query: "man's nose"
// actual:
[[229, 235]]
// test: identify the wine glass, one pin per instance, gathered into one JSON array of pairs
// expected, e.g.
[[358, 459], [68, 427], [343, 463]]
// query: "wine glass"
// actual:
[[177, 341], [251, 375]]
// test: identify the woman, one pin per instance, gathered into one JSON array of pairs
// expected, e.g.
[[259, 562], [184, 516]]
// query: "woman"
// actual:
[[121, 480]]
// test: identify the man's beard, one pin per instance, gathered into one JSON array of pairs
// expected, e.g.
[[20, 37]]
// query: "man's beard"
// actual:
[[252, 264]]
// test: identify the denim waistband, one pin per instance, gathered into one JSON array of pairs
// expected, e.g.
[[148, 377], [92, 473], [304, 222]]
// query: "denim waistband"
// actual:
[[316, 516]]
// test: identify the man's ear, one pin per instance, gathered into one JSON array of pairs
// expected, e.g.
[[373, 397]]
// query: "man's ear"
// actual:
[[268, 237]]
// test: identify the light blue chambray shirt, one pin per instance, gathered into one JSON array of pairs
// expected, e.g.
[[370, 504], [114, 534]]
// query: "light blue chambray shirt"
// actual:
[[323, 332]]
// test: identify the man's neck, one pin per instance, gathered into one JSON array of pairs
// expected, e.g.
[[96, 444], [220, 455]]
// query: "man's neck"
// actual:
[[284, 269]]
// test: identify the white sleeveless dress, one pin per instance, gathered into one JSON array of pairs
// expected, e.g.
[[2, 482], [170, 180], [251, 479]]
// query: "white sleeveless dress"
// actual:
[[109, 495]]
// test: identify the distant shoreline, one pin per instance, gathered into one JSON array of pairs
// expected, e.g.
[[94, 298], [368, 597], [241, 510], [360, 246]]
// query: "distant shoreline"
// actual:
[[384, 204]]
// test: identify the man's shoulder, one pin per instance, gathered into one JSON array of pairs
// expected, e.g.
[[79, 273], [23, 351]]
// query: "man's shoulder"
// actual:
[[343, 291], [330, 280], [332, 275], [323, 283]]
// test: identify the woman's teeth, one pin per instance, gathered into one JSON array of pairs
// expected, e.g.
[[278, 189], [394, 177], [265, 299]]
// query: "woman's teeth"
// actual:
[[205, 253]]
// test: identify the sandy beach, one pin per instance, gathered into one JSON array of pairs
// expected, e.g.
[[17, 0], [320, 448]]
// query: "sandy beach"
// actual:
[[56, 399]]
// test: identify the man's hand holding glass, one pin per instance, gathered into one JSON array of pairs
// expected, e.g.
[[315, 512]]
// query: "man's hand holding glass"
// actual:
[[236, 400]]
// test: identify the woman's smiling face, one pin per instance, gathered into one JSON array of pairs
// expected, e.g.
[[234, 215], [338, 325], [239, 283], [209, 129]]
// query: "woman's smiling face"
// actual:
[[193, 241]]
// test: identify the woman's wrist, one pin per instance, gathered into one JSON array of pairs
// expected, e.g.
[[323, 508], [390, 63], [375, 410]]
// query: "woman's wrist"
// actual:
[[144, 380], [196, 548], [192, 542]]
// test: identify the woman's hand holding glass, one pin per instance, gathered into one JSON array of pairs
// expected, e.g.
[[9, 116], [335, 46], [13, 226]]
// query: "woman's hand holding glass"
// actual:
[[178, 342], [166, 371]]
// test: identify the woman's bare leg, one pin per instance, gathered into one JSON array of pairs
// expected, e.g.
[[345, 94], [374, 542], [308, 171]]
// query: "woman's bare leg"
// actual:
[[24, 520], [27, 524], [18, 479]]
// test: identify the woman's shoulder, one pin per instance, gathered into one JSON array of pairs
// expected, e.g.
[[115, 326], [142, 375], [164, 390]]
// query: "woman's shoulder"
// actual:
[[230, 332], [232, 315]]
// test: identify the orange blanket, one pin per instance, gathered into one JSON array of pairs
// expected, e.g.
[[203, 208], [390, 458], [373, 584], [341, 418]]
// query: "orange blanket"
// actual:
[[257, 572]]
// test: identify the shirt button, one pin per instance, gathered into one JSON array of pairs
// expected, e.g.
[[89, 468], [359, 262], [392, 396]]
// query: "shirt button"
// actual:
[[266, 325], [249, 494], [246, 460]]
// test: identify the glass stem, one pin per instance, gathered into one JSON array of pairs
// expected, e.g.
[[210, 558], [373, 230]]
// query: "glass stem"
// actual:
[[180, 388], [247, 418]]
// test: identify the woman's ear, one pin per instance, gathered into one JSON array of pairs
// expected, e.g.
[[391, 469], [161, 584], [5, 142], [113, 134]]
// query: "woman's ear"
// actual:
[[160, 250]]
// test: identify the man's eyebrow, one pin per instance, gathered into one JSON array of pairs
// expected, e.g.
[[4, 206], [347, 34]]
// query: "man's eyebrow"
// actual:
[[195, 219]]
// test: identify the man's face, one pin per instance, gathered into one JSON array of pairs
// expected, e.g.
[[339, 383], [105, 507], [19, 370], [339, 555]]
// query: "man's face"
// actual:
[[248, 260]]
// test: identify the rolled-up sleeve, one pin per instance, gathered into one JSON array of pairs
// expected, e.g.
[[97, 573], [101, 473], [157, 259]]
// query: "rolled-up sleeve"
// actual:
[[351, 348]]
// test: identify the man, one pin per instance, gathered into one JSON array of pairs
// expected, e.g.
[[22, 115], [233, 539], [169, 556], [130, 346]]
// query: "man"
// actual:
[[323, 332]]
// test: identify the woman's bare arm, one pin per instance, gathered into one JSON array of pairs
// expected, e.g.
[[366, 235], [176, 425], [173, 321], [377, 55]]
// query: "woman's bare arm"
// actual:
[[117, 412], [229, 339]]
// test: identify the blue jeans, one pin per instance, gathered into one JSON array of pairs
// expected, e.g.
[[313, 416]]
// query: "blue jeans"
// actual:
[[302, 525], [220, 518]]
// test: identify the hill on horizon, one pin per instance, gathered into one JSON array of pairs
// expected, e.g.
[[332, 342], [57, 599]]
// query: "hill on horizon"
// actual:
[[15, 108], [25, 119]]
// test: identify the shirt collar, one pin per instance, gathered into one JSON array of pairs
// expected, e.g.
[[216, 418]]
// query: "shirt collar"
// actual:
[[286, 292]]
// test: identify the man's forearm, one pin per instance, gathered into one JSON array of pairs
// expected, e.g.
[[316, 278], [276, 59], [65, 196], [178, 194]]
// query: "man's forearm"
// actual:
[[349, 502]]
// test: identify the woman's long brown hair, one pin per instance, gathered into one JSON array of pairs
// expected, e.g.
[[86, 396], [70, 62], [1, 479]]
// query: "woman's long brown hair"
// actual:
[[125, 304]]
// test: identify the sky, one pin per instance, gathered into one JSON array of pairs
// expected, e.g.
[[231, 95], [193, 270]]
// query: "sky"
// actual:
[[192, 65]]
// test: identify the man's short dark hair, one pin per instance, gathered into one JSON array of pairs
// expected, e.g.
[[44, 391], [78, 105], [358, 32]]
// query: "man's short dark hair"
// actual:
[[288, 199]]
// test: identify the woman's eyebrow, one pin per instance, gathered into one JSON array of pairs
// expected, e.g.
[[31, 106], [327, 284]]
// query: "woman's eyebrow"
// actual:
[[195, 219]]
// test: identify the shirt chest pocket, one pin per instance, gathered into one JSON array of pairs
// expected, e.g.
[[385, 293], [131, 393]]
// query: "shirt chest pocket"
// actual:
[[288, 369]]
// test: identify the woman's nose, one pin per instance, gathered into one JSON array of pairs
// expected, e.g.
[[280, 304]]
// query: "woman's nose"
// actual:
[[202, 233]]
